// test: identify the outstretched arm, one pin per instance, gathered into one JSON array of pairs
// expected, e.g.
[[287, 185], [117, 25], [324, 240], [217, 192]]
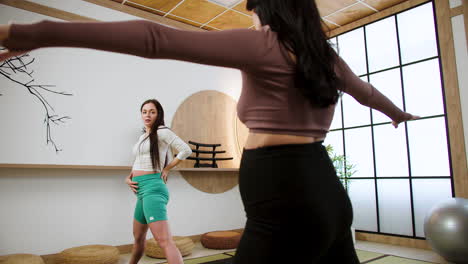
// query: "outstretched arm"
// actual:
[[368, 95], [4, 55], [238, 48]]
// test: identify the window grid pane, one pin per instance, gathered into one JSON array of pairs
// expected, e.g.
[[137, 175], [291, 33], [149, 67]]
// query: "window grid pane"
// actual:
[[395, 207], [390, 151], [388, 83], [352, 49], [423, 88], [428, 147], [354, 113], [362, 195], [358, 150], [382, 44], [417, 33]]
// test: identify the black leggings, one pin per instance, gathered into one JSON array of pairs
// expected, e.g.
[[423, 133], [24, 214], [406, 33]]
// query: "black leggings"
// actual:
[[297, 210]]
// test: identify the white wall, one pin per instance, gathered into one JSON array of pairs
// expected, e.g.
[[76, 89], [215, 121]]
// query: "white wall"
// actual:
[[86, 9], [44, 211], [461, 53]]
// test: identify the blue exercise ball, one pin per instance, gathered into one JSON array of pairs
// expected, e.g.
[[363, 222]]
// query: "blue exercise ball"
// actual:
[[446, 229]]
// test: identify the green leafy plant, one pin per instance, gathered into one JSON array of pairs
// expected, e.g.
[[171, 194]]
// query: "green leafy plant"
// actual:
[[344, 169]]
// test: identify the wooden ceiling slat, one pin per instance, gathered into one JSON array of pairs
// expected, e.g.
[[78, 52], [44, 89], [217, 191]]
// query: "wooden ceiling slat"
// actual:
[[241, 7], [368, 19], [211, 16], [144, 8], [184, 20], [329, 26], [200, 11], [143, 14], [327, 7], [162, 5], [350, 14], [226, 3], [383, 4], [230, 20]]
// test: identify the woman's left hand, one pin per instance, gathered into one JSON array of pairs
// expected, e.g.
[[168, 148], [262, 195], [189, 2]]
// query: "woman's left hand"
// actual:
[[4, 32], [407, 117], [164, 174], [6, 54]]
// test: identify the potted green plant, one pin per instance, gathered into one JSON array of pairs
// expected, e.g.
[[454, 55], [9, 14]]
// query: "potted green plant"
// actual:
[[344, 169]]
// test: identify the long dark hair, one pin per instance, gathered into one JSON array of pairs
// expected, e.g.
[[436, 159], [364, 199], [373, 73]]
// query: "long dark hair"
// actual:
[[300, 30], [153, 135]]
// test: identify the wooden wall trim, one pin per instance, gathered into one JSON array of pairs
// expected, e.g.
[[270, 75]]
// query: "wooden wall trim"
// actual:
[[452, 98], [143, 14], [456, 11], [106, 167], [393, 240], [57, 166], [465, 17], [384, 13], [45, 10]]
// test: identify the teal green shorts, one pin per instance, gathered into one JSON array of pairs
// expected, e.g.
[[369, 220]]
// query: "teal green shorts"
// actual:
[[152, 198]]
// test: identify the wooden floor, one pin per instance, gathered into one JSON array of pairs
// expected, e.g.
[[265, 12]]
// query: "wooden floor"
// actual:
[[410, 253], [368, 252]]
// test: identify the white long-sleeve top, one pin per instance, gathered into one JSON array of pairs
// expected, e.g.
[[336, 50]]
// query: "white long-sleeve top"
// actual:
[[166, 140]]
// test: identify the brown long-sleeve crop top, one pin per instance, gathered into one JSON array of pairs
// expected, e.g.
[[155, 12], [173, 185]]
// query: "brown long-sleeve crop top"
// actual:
[[269, 101]]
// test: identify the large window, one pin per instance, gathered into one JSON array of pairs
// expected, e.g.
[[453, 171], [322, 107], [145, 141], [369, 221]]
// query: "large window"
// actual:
[[399, 173]]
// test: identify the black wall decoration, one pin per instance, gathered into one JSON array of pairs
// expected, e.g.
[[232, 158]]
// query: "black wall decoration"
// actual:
[[213, 153], [17, 70]]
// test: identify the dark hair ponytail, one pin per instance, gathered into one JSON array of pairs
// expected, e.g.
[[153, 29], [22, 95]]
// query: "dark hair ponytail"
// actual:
[[300, 30], [153, 136]]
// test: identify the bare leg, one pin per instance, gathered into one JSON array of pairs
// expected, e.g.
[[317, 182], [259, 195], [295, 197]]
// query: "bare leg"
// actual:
[[139, 233], [162, 234]]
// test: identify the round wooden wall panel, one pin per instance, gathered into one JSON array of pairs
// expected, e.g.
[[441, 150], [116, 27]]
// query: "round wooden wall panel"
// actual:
[[210, 117]]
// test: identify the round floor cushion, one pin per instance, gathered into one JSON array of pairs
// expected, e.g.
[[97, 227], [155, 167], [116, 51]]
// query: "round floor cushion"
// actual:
[[184, 244], [90, 254], [221, 239], [21, 259]]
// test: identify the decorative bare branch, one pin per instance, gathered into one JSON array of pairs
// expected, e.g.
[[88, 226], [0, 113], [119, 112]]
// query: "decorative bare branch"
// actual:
[[16, 70]]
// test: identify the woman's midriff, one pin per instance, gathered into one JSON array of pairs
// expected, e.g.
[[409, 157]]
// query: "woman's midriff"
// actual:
[[137, 173], [258, 140]]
